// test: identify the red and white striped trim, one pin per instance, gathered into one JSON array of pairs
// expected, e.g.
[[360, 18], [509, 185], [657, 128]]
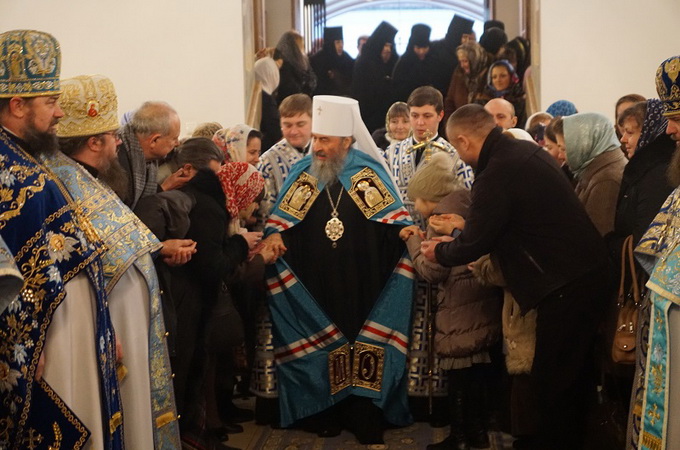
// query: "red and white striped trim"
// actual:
[[307, 345], [393, 216], [381, 333], [281, 282], [279, 223], [405, 268]]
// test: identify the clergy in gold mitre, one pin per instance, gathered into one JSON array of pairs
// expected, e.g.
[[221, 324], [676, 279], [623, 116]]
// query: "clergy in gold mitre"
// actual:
[[340, 296], [88, 140], [48, 400]]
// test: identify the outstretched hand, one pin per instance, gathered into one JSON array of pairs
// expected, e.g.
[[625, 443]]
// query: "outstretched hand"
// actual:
[[411, 230], [274, 244], [446, 223], [176, 252]]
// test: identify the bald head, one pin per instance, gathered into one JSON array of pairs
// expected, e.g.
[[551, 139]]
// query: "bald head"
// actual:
[[503, 112], [467, 129]]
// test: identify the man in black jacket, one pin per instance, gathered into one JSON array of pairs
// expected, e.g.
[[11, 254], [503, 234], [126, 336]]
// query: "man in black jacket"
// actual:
[[525, 213]]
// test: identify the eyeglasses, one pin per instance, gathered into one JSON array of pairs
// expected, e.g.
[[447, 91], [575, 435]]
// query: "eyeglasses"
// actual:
[[115, 134]]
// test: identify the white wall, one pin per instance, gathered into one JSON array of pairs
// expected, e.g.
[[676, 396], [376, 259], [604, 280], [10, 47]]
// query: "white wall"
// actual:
[[508, 12], [593, 52], [188, 53], [279, 19]]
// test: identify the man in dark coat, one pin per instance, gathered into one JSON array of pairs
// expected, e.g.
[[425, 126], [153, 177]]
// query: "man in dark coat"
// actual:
[[332, 65], [526, 214], [372, 79], [442, 58], [411, 71]]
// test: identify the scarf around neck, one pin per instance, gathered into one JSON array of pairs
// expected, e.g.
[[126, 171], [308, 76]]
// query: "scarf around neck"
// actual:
[[144, 173]]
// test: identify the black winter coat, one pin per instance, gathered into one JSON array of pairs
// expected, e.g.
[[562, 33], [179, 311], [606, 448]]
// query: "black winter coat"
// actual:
[[644, 187], [526, 213]]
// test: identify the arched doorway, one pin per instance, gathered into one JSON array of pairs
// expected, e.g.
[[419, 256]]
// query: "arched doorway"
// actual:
[[360, 17]]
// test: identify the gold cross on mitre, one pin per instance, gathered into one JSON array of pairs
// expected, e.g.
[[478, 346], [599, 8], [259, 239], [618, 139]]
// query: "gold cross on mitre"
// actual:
[[428, 145]]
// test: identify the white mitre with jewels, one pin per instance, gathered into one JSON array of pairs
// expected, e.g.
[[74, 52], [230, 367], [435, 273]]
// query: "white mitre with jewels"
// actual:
[[340, 116]]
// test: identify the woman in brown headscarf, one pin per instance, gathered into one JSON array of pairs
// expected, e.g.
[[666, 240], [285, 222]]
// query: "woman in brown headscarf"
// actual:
[[468, 79]]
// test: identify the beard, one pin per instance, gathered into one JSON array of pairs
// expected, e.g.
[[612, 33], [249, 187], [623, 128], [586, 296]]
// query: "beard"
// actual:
[[40, 143], [115, 177], [673, 172], [327, 171]]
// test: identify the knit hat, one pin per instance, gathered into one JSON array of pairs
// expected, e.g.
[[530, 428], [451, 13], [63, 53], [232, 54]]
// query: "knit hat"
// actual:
[[668, 85], [90, 106], [435, 180], [30, 62]]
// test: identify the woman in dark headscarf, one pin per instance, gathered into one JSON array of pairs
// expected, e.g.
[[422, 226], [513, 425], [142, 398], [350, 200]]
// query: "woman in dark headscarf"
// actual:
[[518, 53], [503, 82], [411, 71], [469, 78], [644, 187], [297, 75], [372, 79]]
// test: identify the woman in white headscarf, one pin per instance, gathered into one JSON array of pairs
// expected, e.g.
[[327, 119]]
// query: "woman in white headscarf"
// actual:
[[240, 143], [267, 73], [594, 156]]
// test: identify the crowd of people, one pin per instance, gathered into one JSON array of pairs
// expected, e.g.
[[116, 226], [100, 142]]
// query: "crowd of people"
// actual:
[[397, 242]]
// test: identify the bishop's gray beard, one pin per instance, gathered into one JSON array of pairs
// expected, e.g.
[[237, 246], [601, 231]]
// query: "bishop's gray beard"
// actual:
[[115, 177], [327, 171]]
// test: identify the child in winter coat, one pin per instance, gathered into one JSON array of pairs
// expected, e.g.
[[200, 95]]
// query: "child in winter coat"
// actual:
[[468, 314]]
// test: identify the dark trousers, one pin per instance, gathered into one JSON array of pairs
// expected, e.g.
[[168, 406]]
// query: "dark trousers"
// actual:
[[563, 373]]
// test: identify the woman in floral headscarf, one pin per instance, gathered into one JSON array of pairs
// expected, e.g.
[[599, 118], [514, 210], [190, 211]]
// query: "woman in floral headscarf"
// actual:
[[594, 157], [241, 184], [468, 79], [240, 143]]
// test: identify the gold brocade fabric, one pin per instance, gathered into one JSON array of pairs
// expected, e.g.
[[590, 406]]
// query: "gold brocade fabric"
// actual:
[[128, 242]]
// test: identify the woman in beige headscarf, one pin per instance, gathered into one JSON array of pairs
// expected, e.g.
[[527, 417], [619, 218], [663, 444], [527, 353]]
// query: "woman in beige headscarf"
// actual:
[[240, 143]]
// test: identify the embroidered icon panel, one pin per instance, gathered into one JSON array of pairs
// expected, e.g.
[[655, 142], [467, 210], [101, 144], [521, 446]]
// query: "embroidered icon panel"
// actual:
[[300, 196], [369, 192]]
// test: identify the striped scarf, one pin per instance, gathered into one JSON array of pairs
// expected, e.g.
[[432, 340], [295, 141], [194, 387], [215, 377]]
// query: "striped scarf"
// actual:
[[144, 173]]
